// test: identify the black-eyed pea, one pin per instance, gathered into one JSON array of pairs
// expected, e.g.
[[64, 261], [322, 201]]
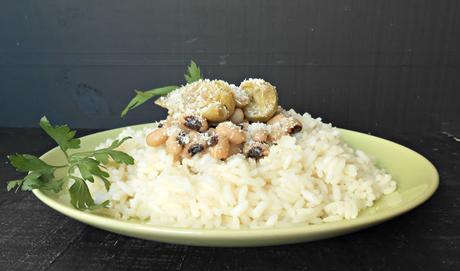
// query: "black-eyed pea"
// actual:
[[235, 149], [282, 125], [294, 126], [196, 144], [172, 146], [277, 118], [238, 116], [256, 150], [276, 134], [191, 149], [260, 136], [213, 140], [194, 137], [195, 148], [221, 149], [211, 132], [234, 133], [193, 123], [182, 138], [157, 137]]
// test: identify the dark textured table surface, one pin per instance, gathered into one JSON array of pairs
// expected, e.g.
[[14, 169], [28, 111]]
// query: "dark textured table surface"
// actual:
[[34, 237]]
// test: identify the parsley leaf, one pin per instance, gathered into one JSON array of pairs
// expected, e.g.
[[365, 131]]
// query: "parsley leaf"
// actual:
[[143, 96], [35, 180], [89, 167], [32, 181], [27, 162], [63, 136], [102, 155], [12, 184], [193, 73], [40, 175], [80, 197], [90, 163]]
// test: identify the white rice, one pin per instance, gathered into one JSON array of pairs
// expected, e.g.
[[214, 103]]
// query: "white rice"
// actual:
[[311, 178]]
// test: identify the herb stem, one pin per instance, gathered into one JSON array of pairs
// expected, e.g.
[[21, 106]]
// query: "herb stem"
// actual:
[[76, 178], [66, 155]]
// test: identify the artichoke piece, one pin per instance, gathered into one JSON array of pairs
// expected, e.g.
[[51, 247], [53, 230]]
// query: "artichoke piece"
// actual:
[[264, 100], [211, 99], [242, 98], [221, 103]]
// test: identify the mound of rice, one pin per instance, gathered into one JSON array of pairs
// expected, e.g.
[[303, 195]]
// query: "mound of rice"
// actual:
[[310, 178]]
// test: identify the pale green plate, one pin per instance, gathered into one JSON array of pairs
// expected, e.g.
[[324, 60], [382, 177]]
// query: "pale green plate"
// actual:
[[416, 177]]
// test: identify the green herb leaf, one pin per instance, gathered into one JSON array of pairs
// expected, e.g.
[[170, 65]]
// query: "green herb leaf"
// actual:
[[12, 184], [90, 167], [27, 162], [90, 163], [35, 180], [107, 183], [193, 73], [102, 155], [32, 181], [80, 197], [55, 185], [143, 96], [63, 136], [117, 156], [40, 175]]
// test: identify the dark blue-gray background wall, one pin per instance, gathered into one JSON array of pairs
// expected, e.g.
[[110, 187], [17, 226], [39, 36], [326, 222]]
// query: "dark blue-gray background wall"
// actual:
[[374, 66]]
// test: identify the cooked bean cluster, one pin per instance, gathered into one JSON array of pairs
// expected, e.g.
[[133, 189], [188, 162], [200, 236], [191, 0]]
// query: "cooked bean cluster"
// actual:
[[185, 136], [226, 119]]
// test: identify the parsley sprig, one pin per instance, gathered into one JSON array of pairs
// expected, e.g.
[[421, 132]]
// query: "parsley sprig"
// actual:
[[193, 74], [91, 164]]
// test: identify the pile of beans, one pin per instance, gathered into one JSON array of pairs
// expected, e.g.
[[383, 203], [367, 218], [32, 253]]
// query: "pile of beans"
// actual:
[[187, 135]]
